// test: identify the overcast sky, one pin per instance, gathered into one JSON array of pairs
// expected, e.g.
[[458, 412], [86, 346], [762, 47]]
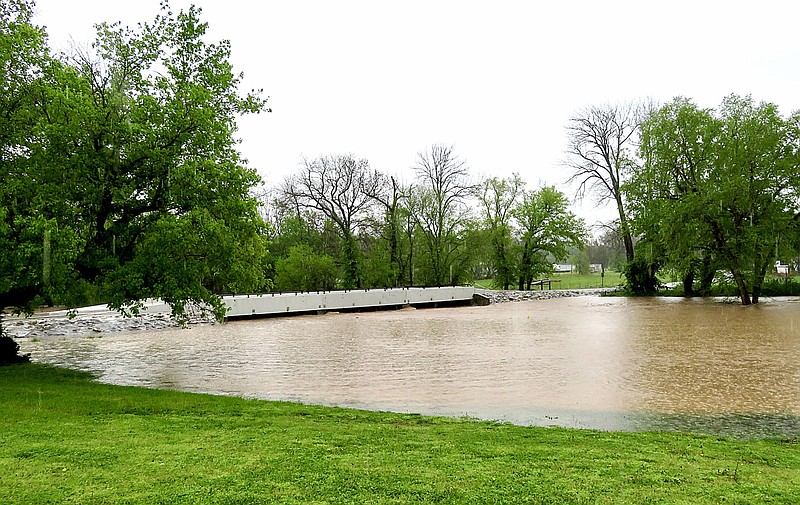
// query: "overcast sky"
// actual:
[[497, 80]]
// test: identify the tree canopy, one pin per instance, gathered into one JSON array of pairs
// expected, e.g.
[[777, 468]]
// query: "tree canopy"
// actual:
[[719, 187], [121, 178]]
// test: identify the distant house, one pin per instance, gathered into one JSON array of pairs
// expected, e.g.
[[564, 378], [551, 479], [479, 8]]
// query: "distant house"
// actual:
[[560, 268]]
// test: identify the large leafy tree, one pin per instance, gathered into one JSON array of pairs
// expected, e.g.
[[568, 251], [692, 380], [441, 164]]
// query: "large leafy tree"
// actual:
[[547, 232], [130, 171], [498, 198], [23, 58], [719, 184]]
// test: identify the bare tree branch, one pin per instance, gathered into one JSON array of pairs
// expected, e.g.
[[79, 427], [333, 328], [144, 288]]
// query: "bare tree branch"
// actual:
[[440, 204], [601, 151]]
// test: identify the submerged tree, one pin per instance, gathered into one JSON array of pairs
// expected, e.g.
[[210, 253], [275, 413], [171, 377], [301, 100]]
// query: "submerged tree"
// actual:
[[719, 185]]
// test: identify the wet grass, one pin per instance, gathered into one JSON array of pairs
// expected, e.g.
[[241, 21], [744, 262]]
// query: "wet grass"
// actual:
[[68, 439], [570, 281]]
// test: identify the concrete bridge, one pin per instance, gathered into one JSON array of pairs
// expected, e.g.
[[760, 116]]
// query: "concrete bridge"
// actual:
[[276, 304]]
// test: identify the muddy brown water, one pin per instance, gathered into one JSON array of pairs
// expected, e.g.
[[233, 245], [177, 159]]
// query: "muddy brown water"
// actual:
[[588, 362]]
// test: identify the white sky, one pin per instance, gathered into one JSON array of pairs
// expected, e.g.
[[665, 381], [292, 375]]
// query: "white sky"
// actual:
[[498, 80]]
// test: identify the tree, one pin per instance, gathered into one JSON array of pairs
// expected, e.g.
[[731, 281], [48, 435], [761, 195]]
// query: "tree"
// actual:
[[24, 234], [23, 54], [721, 185], [130, 176], [338, 186], [601, 153], [548, 230], [390, 194], [498, 198], [440, 209], [580, 260], [305, 270], [608, 250]]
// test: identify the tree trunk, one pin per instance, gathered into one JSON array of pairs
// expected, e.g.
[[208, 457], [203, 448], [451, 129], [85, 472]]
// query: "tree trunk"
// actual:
[[707, 273], [352, 278], [688, 282], [503, 270], [624, 230], [761, 272], [524, 266], [394, 258], [741, 286]]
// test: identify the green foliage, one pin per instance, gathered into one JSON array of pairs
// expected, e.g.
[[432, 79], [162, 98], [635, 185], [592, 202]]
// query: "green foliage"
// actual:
[[724, 287], [123, 175], [9, 350], [640, 275], [305, 270], [581, 261], [718, 186], [379, 269], [781, 287], [23, 59], [499, 198], [527, 230], [548, 231]]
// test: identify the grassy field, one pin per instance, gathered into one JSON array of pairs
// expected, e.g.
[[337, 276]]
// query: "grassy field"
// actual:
[[570, 281], [68, 439]]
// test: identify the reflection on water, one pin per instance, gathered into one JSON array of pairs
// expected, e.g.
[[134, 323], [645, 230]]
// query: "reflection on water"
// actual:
[[607, 363]]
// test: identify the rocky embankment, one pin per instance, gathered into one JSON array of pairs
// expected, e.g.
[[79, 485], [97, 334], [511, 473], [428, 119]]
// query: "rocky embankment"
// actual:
[[497, 296], [62, 323]]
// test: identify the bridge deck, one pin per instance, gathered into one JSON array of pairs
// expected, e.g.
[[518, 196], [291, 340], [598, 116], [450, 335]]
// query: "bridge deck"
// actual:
[[272, 304]]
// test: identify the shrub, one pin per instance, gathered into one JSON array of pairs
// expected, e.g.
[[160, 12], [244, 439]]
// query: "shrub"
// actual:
[[9, 351]]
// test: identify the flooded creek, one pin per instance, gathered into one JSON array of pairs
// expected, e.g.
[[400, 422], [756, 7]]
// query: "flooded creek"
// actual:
[[589, 362]]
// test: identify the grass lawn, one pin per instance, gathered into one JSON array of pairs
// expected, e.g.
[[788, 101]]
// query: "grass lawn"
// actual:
[[68, 439], [570, 281]]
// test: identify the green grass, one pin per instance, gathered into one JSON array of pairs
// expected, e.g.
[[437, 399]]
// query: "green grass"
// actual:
[[68, 439], [570, 281]]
